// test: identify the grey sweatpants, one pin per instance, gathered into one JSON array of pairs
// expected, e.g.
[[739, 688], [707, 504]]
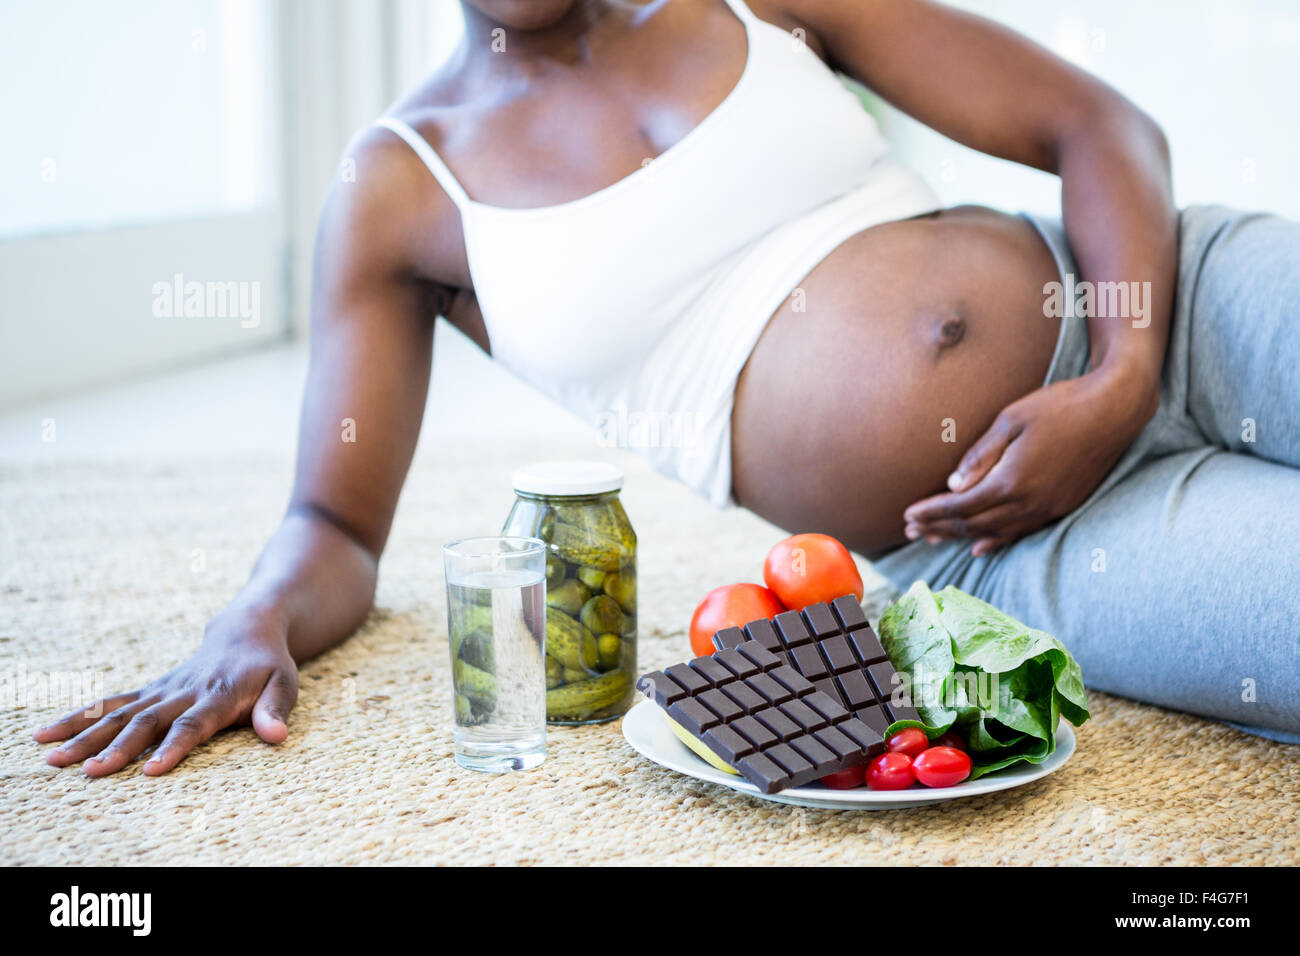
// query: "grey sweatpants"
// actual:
[[1178, 581]]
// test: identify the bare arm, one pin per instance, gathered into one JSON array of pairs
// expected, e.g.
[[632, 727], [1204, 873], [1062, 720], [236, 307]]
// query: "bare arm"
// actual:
[[373, 310], [988, 88], [991, 89]]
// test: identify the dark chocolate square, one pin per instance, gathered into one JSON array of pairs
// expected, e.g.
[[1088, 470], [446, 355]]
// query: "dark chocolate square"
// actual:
[[820, 620], [712, 671], [837, 741], [791, 678], [762, 773], [867, 646], [792, 629], [743, 694], [756, 733], [661, 688], [827, 706], [789, 759], [737, 663], [778, 723], [803, 715], [809, 661], [828, 687], [764, 634], [727, 744], [838, 654], [720, 704], [687, 678], [769, 687], [760, 655], [855, 690], [815, 752], [849, 611], [862, 735], [903, 711], [883, 678], [693, 715], [875, 717], [728, 637]]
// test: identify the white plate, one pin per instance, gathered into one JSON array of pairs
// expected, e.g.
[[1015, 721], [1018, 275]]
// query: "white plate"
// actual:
[[646, 729]]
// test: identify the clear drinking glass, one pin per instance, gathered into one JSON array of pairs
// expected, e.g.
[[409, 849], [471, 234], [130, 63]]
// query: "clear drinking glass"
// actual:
[[496, 623]]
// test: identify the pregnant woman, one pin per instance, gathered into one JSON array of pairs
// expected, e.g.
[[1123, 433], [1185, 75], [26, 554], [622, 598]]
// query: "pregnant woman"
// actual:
[[675, 208]]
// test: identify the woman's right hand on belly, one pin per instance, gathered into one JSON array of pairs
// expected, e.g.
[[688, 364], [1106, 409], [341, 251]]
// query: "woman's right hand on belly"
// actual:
[[242, 673], [1042, 457]]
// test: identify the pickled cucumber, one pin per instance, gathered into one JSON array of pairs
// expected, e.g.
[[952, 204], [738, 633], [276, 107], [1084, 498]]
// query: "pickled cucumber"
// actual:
[[602, 615], [473, 617], [594, 578], [611, 650], [464, 710], [476, 650], [569, 642], [479, 686], [554, 672], [591, 602], [621, 586], [579, 701], [580, 547], [555, 569], [569, 597]]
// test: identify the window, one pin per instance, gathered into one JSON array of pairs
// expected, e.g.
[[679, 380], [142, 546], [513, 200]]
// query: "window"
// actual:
[[147, 160]]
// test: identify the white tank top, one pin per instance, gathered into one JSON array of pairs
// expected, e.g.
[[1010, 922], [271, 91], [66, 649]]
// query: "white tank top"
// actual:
[[636, 306]]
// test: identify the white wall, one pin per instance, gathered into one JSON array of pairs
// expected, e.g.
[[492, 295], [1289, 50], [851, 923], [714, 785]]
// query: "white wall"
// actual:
[[1221, 76]]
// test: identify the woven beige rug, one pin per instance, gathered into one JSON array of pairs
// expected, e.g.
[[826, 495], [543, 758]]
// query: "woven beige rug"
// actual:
[[115, 566]]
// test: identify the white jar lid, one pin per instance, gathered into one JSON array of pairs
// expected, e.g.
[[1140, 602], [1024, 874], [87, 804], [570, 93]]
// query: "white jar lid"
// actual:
[[568, 478]]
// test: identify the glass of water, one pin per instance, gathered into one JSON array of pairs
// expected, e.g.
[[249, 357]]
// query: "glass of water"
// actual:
[[496, 622]]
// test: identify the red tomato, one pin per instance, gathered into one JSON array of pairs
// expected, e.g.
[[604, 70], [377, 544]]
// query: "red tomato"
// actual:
[[890, 771], [808, 568], [846, 779], [732, 605], [951, 739], [942, 767], [910, 741]]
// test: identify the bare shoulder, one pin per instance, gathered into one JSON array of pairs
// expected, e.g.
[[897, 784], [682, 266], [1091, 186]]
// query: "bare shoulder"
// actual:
[[386, 212]]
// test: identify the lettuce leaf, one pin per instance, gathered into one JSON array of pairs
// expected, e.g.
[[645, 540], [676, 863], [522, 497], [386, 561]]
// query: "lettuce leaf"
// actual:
[[975, 669]]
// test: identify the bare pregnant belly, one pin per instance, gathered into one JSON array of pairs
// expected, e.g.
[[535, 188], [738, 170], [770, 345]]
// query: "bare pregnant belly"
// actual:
[[882, 368]]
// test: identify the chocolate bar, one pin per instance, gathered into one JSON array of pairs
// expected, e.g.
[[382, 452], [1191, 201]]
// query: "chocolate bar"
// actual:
[[762, 716], [790, 699], [833, 646]]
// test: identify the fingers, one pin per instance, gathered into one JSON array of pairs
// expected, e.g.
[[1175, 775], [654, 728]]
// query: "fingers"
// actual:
[[988, 545], [984, 454], [77, 721], [271, 712], [141, 732], [985, 523], [187, 731], [949, 506], [96, 737]]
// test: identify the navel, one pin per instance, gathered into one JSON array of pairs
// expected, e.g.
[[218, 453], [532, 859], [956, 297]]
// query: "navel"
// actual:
[[947, 330]]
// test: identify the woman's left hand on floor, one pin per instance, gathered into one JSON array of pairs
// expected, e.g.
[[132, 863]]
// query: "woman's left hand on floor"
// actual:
[[1039, 460]]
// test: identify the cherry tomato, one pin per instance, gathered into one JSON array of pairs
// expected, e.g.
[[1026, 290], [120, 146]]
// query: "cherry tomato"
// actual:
[[890, 771], [910, 741], [846, 779], [951, 739], [942, 767], [808, 568], [732, 605]]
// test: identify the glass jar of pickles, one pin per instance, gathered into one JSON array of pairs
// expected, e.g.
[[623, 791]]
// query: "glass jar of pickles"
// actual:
[[590, 585]]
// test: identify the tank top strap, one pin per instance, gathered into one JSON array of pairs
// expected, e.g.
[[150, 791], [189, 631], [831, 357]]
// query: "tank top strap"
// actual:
[[446, 179], [741, 9]]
